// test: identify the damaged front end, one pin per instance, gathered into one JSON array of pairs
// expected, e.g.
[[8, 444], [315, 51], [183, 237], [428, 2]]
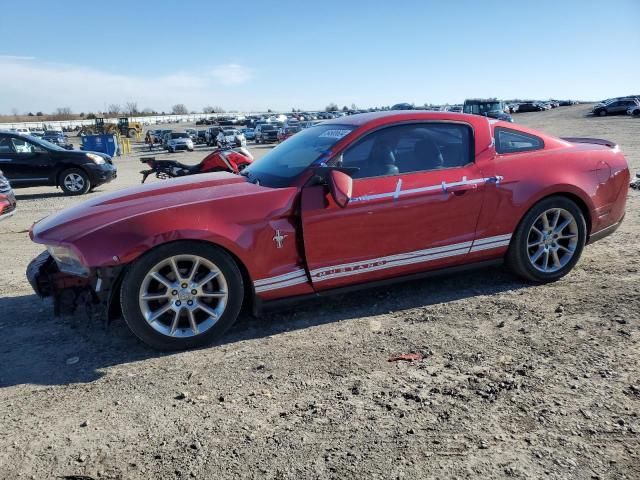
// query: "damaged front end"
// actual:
[[94, 292]]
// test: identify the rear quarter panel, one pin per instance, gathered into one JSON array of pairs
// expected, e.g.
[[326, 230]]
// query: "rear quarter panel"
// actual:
[[594, 175]]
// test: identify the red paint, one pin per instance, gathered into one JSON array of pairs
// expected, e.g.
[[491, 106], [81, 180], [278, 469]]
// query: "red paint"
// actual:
[[351, 244]]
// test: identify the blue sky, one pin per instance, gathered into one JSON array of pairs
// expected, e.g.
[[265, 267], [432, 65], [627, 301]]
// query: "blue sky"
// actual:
[[305, 54]]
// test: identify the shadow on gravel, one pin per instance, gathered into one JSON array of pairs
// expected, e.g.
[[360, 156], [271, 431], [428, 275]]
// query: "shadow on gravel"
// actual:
[[38, 196], [37, 348], [375, 301]]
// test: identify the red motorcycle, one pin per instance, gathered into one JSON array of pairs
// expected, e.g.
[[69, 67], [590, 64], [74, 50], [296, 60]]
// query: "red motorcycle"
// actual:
[[226, 159]]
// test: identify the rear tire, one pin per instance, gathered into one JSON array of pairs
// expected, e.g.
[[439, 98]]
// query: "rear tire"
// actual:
[[74, 181], [211, 322], [545, 251]]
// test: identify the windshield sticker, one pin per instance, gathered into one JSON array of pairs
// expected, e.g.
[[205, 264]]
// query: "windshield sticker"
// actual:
[[337, 134]]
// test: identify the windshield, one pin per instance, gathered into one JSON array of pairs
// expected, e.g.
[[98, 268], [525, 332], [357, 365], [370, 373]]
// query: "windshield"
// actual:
[[285, 162], [43, 143], [229, 132], [268, 127], [179, 135], [480, 108]]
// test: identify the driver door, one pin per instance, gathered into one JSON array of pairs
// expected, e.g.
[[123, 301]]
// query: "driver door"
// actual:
[[24, 162], [415, 203]]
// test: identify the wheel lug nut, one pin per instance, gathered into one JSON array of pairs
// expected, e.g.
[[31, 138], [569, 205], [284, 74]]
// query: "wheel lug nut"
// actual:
[[194, 292], [190, 302], [175, 292], [178, 303], [184, 285]]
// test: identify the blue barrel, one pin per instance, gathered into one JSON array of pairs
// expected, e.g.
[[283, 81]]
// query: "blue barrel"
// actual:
[[100, 143]]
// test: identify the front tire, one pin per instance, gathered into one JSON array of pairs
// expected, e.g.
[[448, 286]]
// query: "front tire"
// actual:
[[602, 113], [74, 181], [182, 295], [549, 240]]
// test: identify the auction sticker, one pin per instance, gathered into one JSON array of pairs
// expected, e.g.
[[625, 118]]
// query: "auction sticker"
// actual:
[[335, 133]]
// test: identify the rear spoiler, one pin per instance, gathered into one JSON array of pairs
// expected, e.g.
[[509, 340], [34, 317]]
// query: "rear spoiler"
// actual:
[[596, 141]]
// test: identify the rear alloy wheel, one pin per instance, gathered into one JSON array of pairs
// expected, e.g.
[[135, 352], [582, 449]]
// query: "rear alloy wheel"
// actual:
[[548, 241], [182, 295], [74, 182]]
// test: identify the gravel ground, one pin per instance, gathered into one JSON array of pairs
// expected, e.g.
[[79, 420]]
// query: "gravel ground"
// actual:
[[517, 380]]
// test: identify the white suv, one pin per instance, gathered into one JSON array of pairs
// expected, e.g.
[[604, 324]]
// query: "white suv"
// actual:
[[178, 141]]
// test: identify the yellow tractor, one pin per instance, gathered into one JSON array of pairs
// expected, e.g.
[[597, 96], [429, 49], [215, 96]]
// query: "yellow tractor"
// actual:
[[123, 128], [129, 129]]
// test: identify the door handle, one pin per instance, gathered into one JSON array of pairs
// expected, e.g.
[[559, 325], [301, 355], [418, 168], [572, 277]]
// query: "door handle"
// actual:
[[495, 179], [460, 189]]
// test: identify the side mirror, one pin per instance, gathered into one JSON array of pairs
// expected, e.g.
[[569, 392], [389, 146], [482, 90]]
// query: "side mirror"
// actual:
[[341, 186]]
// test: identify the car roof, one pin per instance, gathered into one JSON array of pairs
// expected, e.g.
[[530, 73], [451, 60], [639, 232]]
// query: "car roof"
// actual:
[[399, 116]]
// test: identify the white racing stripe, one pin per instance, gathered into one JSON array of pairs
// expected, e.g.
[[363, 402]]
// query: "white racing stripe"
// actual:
[[381, 263], [498, 238], [281, 281], [276, 286], [299, 276], [280, 278], [489, 246]]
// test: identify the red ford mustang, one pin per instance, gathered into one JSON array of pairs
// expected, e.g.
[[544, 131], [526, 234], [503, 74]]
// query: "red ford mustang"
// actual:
[[353, 201]]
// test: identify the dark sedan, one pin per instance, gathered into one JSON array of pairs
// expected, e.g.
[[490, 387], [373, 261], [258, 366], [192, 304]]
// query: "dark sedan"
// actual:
[[615, 107], [58, 138], [28, 161], [530, 107]]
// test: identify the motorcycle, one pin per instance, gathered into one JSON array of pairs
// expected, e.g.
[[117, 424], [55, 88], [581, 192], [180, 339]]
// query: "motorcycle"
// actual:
[[224, 159]]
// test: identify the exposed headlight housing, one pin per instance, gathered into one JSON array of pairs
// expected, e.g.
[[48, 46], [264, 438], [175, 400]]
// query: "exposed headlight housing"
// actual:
[[97, 159], [67, 260]]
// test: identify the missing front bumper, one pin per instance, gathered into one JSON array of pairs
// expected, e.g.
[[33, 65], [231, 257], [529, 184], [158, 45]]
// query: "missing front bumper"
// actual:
[[70, 292]]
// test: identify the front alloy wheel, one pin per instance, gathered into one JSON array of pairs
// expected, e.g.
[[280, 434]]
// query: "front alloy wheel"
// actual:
[[182, 295]]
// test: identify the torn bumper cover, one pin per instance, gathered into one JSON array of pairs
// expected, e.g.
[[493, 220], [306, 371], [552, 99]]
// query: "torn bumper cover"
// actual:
[[69, 292]]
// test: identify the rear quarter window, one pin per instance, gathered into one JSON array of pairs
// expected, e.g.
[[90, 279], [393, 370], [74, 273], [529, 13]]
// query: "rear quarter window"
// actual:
[[512, 141]]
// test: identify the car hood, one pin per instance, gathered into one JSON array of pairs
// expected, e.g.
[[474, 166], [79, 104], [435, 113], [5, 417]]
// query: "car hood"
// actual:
[[82, 220], [78, 154]]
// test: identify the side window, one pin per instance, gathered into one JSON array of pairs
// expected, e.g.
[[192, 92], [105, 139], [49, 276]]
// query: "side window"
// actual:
[[23, 146], [510, 141], [6, 145], [410, 148]]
